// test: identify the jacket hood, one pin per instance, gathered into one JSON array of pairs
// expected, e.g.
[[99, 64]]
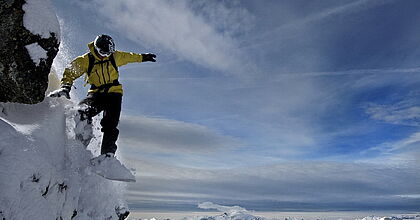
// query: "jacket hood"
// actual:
[[92, 50]]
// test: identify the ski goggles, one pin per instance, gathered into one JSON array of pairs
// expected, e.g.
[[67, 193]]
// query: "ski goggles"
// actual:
[[106, 53]]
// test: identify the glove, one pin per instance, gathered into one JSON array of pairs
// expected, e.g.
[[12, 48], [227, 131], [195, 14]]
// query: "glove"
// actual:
[[148, 57], [63, 91]]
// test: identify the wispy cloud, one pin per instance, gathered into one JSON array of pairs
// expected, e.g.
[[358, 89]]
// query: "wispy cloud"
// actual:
[[193, 34], [401, 151], [325, 185], [405, 112], [171, 136], [352, 7], [357, 72]]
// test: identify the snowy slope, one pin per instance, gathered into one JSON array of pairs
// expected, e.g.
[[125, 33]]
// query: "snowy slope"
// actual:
[[43, 170]]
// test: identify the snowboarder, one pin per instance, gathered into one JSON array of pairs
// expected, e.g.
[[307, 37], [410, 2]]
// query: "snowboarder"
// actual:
[[100, 65]]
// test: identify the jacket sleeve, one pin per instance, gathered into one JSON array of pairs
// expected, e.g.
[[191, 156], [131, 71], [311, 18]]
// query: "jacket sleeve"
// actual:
[[75, 69], [122, 58]]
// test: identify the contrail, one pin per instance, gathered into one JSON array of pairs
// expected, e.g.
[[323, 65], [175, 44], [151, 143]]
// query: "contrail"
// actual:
[[356, 72], [414, 70], [348, 8]]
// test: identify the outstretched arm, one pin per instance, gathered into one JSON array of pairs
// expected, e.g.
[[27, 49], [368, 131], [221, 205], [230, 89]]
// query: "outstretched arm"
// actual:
[[122, 58]]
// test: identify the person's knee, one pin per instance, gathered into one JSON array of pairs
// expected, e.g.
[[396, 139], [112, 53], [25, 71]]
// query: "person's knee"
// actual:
[[112, 131], [109, 123]]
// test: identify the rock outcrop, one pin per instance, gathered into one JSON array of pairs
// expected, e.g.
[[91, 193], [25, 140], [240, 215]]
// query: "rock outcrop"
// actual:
[[25, 57]]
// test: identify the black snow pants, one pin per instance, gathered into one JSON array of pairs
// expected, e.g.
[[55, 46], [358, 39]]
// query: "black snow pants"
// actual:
[[110, 104]]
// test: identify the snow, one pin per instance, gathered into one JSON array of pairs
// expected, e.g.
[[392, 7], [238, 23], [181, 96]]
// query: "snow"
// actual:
[[240, 213], [40, 18], [44, 172], [36, 52], [229, 213]]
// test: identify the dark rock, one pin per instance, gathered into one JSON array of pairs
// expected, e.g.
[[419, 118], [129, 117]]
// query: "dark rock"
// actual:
[[21, 80], [62, 187], [74, 214], [35, 178], [44, 194]]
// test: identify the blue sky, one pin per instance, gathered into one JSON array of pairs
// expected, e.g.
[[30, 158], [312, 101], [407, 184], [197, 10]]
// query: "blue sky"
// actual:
[[271, 105]]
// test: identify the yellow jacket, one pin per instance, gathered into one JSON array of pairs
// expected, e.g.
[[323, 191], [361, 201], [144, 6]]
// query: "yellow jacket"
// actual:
[[102, 73]]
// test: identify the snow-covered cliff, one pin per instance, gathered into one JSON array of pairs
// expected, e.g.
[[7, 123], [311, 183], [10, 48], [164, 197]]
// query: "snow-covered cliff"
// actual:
[[43, 170]]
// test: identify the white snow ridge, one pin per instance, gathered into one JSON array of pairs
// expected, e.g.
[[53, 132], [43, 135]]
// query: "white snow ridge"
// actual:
[[40, 18], [44, 172], [36, 52]]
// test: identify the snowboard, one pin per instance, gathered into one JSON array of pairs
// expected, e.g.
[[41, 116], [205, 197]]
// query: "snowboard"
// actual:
[[109, 167]]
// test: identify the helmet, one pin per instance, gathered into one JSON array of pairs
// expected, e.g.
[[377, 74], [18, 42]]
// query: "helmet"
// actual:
[[104, 45]]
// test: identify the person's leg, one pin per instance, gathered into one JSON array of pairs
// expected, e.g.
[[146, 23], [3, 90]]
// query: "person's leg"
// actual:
[[109, 122], [90, 107], [87, 109]]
